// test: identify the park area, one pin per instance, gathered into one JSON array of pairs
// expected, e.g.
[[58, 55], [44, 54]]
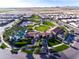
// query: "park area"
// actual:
[[61, 48], [52, 42], [49, 23], [42, 28]]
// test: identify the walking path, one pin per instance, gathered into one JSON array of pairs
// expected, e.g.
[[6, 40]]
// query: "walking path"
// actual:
[[55, 46], [58, 45], [5, 42], [49, 31]]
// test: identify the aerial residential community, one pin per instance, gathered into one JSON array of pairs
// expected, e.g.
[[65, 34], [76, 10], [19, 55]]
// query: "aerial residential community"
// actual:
[[44, 35], [39, 29]]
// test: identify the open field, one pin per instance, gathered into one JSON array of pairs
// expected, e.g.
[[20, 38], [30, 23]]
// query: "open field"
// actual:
[[42, 28]]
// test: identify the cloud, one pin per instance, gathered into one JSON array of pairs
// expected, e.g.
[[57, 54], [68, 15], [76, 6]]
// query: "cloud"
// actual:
[[11, 3], [37, 3]]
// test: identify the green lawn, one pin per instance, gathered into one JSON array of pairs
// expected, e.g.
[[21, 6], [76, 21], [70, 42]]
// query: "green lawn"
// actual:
[[21, 43], [30, 27], [61, 48], [37, 50], [35, 20], [42, 28], [28, 51], [49, 23], [3, 46], [38, 43], [53, 42], [35, 16]]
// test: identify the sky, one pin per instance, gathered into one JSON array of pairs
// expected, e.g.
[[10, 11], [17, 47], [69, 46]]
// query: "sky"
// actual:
[[38, 3]]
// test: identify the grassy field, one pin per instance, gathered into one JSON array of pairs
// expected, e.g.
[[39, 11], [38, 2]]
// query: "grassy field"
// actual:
[[53, 42], [3, 46], [42, 28], [37, 21], [28, 51], [61, 48], [35, 17], [30, 27], [49, 23], [21, 43]]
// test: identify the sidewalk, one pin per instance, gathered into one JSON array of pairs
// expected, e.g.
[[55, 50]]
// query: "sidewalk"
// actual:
[[58, 45]]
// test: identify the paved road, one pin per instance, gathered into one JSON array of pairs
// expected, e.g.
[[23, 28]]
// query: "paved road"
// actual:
[[6, 54]]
